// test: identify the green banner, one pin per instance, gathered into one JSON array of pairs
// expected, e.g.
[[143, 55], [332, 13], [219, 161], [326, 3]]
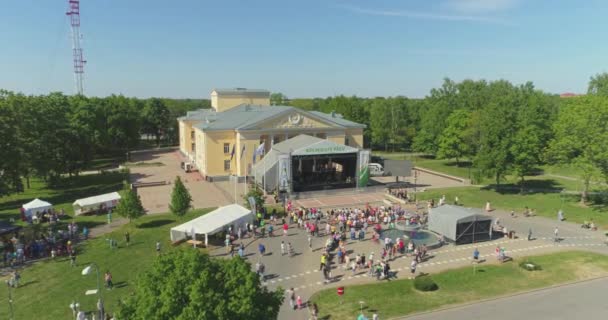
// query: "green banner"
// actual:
[[363, 177]]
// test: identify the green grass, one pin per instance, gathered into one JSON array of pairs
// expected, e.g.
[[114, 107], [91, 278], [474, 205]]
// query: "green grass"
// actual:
[[49, 287], [545, 204], [105, 163], [64, 195], [143, 164], [398, 298]]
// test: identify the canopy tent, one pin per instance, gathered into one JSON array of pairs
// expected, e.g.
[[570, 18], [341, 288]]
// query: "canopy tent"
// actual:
[[215, 221], [105, 201], [35, 206], [461, 225], [300, 145]]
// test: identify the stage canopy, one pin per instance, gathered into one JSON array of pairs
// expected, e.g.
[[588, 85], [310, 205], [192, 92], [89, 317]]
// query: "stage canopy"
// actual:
[[300, 145], [215, 221], [107, 201], [36, 206], [459, 224]]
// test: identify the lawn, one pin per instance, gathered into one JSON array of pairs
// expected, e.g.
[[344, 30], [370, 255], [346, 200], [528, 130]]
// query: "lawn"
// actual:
[[398, 298], [49, 287], [62, 196], [545, 204]]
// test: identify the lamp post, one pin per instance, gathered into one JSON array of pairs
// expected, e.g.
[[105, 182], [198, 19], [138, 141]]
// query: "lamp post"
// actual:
[[10, 299], [86, 271]]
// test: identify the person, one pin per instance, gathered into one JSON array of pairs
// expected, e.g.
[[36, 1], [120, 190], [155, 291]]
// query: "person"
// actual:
[[299, 302], [259, 269], [310, 242], [476, 255], [556, 235], [72, 258], [14, 282], [231, 251], [109, 216], [291, 293], [314, 311], [158, 247], [529, 234], [127, 238], [81, 315], [413, 266], [282, 248], [456, 200], [241, 251], [85, 233], [285, 229], [375, 315], [560, 215], [108, 279], [261, 249], [290, 249]]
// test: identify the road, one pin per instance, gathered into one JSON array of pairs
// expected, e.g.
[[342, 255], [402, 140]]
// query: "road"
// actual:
[[583, 300]]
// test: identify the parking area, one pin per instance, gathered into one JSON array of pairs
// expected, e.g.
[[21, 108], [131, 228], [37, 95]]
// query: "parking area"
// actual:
[[164, 166]]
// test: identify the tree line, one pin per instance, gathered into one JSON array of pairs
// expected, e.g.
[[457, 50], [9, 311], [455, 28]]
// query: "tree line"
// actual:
[[50, 135], [500, 127]]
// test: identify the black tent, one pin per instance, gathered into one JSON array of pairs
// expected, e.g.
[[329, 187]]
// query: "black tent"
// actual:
[[460, 225]]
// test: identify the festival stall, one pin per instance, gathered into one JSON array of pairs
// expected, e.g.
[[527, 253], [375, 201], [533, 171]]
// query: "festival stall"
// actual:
[[34, 207], [218, 220], [461, 225], [101, 202]]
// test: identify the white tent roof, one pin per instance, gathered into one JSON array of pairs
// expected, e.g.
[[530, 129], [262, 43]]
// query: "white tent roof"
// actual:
[[97, 199], [36, 204], [214, 221]]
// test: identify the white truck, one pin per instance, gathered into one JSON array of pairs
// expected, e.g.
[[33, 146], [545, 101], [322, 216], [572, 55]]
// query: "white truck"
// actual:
[[375, 169]]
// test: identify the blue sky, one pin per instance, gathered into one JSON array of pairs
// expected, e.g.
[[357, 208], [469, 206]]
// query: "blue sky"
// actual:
[[302, 48]]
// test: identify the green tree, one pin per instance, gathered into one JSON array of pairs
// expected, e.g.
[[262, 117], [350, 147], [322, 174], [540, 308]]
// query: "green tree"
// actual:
[[129, 205], [10, 150], [257, 195], [581, 138], [380, 123], [454, 141], [278, 99], [181, 201], [155, 118], [186, 284], [598, 84]]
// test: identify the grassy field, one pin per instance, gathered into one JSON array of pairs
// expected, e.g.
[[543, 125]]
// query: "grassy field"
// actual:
[[546, 177], [49, 287], [397, 298], [64, 195], [545, 204]]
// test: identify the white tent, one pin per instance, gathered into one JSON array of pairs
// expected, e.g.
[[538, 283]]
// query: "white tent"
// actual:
[[107, 201], [35, 206], [215, 221]]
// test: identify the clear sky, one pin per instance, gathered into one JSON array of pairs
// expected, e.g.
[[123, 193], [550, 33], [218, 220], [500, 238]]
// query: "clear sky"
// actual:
[[307, 48]]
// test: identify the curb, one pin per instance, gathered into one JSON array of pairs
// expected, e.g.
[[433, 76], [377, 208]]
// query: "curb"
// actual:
[[497, 298]]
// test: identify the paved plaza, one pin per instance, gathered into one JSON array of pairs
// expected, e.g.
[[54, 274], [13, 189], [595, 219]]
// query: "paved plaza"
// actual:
[[302, 270], [156, 199]]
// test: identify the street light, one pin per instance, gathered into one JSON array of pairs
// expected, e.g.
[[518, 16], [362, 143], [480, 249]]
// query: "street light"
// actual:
[[10, 299], [87, 271]]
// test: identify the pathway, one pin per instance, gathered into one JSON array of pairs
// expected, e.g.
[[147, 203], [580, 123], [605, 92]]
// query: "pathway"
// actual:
[[557, 303]]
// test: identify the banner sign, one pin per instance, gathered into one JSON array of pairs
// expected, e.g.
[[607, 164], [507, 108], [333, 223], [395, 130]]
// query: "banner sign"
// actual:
[[363, 170], [284, 172], [252, 204]]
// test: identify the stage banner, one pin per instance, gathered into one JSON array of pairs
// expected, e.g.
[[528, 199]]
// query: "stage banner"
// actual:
[[284, 172], [363, 172]]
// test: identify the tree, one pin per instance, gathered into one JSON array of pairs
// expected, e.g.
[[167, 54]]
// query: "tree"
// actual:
[[278, 99], [181, 201], [257, 195], [186, 284], [156, 117], [454, 140], [598, 85], [10, 151], [129, 205], [580, 138], [380, 123]]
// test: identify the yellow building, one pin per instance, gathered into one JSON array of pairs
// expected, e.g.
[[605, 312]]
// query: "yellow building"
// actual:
[[221, 141]]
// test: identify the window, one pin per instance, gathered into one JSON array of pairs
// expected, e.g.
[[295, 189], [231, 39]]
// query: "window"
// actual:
[[226, 165], [346, 141], [193, 147], [226, 148], [192, 134]]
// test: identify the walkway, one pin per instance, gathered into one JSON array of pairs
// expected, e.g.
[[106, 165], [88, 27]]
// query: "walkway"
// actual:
[[583, 300]]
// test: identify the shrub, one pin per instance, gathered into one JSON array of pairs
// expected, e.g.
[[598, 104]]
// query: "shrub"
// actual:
[[530, 266], [425, 283]]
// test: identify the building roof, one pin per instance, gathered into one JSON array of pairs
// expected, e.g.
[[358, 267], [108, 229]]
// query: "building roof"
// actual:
[[241, 91], [195, 115], [246, 116]]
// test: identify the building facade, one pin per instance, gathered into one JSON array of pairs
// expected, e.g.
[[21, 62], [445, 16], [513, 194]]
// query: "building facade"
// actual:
[[222, 141]]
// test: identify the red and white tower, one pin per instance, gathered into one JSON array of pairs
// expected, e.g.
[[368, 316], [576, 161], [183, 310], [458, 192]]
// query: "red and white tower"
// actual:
[[74, 13]]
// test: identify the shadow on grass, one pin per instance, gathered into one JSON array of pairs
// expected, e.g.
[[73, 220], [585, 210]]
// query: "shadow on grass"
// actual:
[[155, 223], [460, 164], [529, 187], [599, 201]]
